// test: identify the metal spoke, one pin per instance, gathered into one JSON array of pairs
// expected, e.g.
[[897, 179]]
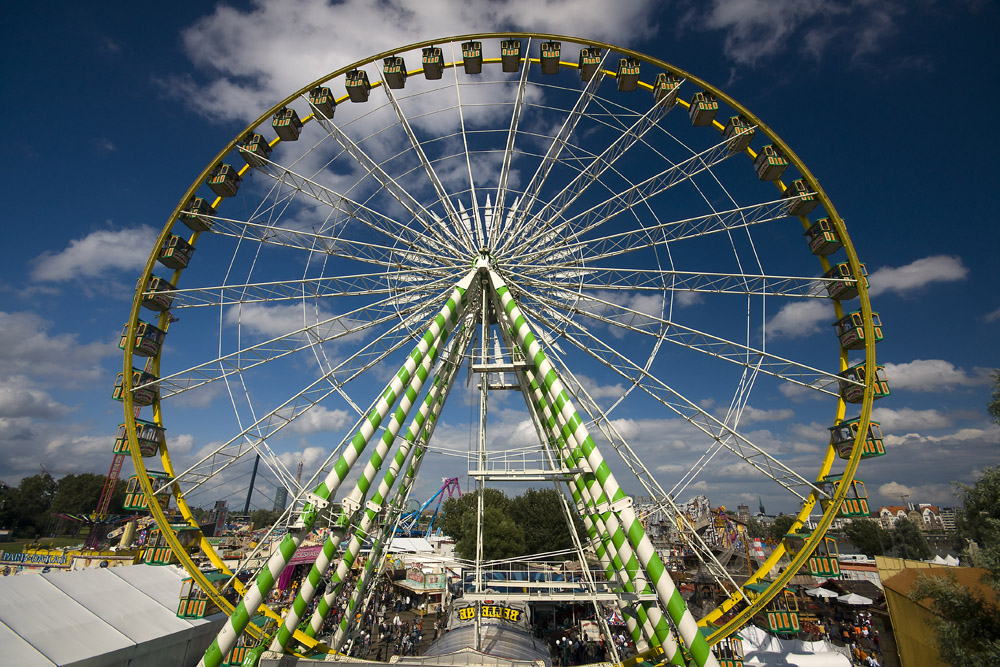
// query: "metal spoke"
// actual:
[[622, 243], [328, 330], [611, 279], [721, 433], [327, 287], [575, 188], [617, 315]]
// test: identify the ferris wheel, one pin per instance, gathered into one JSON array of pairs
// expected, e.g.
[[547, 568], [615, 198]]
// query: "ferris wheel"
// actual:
[[592, 228]]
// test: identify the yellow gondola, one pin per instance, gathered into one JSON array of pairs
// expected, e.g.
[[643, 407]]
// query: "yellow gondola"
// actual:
[[287, 124], [255, 149], [550, 52], [590, 60], [852, 383], [140, 395], [738, 133], [148, 434], [196, 215], [851, 330], [394, 72], [823, 238], [472, 57], [224, 180], [357, 84], [322, 101], [842, 437], [856, 501], [846, 287], [433, 61]]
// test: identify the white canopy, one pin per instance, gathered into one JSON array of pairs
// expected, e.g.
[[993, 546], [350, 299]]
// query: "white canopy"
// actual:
[[821, 593], [97, 617], [854, 598]]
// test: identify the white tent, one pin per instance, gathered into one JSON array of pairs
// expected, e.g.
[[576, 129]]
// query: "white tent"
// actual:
[[821, 593], [854, 598], [97, 617], [762, 648]]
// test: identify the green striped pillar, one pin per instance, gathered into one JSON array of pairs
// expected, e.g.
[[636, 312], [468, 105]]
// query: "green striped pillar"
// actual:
[[430, 406], [421, 434], [617, 513], [623, 565], [308, 588], [257, 592]]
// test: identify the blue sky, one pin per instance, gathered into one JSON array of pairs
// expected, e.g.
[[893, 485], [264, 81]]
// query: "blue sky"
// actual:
[[116, 111]]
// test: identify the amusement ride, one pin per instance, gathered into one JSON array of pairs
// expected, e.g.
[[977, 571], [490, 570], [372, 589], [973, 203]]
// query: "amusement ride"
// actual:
[[547, 216]]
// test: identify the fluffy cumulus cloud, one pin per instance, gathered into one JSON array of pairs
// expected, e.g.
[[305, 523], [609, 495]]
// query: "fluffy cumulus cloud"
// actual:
[[756, 31], [253, 57], [904, 280], [30, 348], [908, 418], [319, 420], [933, 375], [96, 254], [800, 318]]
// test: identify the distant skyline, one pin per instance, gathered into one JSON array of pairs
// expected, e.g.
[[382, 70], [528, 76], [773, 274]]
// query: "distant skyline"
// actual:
[[118, 110]]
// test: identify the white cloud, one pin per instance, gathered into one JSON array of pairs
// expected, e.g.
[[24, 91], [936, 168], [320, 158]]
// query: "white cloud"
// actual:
[[908, 418], [318, 420], [95, 254], [756, 31], [800, 318], [933, 375], [255, 57], [895, 490], [992, 316], [752, 415], [19, 400], [28, 349], [597, 391], [904, 280]]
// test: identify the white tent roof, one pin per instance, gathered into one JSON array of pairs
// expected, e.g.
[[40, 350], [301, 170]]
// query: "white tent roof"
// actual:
[[762, 648], [110, 616], [410, 545]]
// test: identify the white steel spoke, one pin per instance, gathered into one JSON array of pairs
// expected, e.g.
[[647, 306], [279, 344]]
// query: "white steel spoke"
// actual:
[[328, 330], [620, 316], [442, 195], [683, 407], [277, 419], [344, 206], [361, 284], [610, 278], [493, 233], [399, 193], [621, 243], [534, 187], [531, 223], [634, 196], [362, 251]]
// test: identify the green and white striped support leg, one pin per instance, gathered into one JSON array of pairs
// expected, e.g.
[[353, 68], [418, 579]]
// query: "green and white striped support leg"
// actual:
[[388, 529], [308, 588], [619, 562], [430, 403], [257, 592], [602, 547], [576, 432]]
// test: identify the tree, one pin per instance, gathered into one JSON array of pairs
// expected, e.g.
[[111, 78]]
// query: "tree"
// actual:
[[908, 541], [967, 631], [78, 494], [540, 514], [264, 518], [502, 537], [994, 406], [980, 504], [868, 537], [781, 526], [756, 529], [26, 508]]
